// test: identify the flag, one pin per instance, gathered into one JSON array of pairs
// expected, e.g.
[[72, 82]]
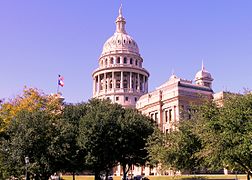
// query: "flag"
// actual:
[[60, 81]]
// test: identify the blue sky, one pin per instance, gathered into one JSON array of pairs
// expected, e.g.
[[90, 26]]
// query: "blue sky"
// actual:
[[41, 39]]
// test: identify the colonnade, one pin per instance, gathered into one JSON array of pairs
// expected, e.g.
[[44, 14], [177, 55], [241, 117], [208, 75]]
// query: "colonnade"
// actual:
[[127, 81]]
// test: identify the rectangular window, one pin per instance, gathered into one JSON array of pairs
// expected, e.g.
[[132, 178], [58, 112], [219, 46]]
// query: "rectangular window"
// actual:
[[166, 116], [126, 98], [152, 116], [156, 117], [117, 98], [170, 115]]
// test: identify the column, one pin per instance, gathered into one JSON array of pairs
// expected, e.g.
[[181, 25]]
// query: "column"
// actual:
[[146, 84], [138, 82], [99, 83], [113, 80], [104, 82], [94, 86], [130, 83], [121, 85], [144, 81]]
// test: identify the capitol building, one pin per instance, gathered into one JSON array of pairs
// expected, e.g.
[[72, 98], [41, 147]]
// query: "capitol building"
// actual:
[[122, 78]]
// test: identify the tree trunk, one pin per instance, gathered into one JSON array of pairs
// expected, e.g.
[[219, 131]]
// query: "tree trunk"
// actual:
[[73, 176], [248, 175], [97, 175], [124, 171], [107, 173]]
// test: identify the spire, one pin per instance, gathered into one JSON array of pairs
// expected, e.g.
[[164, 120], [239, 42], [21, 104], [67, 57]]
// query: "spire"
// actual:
[[120, 22], [120, 11], [202, 65]]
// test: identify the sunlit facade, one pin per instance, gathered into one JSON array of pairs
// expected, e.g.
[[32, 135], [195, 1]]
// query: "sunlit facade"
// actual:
[[121, 78]]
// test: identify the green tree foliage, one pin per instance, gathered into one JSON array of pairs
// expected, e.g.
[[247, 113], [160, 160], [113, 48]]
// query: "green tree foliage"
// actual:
[[156, 148], [226, 133], [74, 160], [215, 137], [33, 126], [112, 135], [39, 136], [135, 129], [182, 146], [98, 136]]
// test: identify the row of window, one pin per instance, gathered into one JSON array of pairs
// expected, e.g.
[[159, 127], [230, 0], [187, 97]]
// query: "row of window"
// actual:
[[167, 115], [118, 61], [126, 98]]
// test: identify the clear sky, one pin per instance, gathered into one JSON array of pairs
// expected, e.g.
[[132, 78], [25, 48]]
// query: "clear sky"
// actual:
[[43, 38]]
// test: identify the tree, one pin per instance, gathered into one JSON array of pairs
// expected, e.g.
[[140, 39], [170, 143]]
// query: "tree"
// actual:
[[135, 129], [111, 134], [30, 100], [74, 160], [32, 126], [182, 146], [39, 136], [226, 134], [216, 137], [99, 134], [156, 149]]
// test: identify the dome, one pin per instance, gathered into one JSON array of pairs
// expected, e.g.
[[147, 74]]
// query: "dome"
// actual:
[[203, 74], [120, 41]]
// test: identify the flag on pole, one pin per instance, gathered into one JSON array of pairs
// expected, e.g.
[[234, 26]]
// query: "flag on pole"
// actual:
[[60, 81]]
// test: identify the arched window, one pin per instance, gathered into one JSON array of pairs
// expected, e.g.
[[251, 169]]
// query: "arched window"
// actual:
[[125, 84], [136, 62], [117, 83], [131, 61], [125, 60], [118, 60], [111, 60], [106, 62]]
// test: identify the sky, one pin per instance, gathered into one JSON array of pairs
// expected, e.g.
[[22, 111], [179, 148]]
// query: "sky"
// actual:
[[41, 39]]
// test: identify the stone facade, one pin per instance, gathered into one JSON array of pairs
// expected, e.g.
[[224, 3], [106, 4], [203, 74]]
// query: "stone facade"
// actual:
[[167, 102], [120, 76]]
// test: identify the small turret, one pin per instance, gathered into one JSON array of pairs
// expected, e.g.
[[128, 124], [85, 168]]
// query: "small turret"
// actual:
[[203, 77]]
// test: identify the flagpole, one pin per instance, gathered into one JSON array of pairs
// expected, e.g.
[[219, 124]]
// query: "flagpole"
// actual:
[[58, 84]]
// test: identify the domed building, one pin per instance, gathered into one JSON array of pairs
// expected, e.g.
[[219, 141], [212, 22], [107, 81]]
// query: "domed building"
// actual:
[[120, 76]]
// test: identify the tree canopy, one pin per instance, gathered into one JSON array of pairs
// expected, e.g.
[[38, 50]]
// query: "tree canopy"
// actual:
[[111, 135], [215, 137]]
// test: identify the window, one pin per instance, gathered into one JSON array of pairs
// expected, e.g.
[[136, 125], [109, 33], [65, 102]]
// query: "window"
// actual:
[[117, 98], [170, 114], [125, 60], [135, 99], [125, 84], [126, 98], [118, 60], [166, 116], [136, 63], [117, 83], [111, 60], [156, 117], [131, 61]]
